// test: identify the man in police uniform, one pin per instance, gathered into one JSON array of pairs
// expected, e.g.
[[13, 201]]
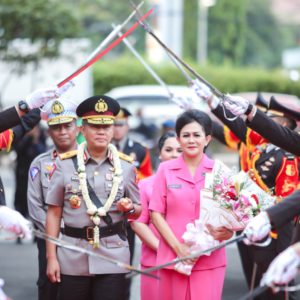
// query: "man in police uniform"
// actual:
[[61, 118], [139, 154], [93, 200]]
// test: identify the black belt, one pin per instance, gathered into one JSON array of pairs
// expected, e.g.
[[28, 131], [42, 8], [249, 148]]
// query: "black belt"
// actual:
[[87, 232]]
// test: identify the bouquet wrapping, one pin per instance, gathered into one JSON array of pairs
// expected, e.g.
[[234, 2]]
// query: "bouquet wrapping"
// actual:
[[231, 200], [228, 200]]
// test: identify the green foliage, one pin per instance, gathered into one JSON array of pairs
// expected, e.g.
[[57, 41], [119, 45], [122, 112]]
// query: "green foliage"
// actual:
[[44, 23], [128, 71], [189, 26], [226, 36], [264, 37]]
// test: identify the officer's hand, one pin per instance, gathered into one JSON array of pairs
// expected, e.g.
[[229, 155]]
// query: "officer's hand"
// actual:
[[283, 268], [236, 104], [13, 221], [205, 93], [53, 270], [219, 233], [124, 205], [40, 97], [257, 229]]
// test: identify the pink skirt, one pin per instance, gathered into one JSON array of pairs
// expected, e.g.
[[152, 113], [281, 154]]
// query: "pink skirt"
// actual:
[[149, 286], [200, 285]]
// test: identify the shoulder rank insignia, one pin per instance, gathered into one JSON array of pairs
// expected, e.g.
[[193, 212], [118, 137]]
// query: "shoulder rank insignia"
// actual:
[[125, 157], [68, 154]]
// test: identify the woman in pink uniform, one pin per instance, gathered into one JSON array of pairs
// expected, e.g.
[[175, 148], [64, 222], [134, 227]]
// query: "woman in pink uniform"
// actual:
[[169, 148], [175, 202]]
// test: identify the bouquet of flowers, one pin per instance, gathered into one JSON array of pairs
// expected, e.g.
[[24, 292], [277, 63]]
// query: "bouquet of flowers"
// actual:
[[228, 200], [231, 200], [197, 238]]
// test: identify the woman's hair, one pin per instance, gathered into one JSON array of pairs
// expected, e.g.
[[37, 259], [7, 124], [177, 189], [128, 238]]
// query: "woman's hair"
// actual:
[[194, 115], [164, 137]]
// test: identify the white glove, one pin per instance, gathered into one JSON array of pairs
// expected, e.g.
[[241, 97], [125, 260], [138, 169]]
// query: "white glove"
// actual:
[[2, 294], [182, 102], [236, 104], [257, 229], [13, 221], [39, 97], [283, 268], [205, 93]]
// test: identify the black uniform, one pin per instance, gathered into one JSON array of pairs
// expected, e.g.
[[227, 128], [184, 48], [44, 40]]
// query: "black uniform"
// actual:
[[267, 166], [285, 212], [277, 134], [10, 118]]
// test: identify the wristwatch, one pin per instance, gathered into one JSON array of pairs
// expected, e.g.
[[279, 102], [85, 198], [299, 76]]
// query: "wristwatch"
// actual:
[[131, 211], [23, 106]]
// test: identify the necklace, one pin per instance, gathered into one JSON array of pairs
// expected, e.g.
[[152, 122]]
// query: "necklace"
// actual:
[[92, 210]]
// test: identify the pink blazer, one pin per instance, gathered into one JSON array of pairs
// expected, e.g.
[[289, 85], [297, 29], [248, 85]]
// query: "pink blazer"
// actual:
[[177, 196], [148, 256]]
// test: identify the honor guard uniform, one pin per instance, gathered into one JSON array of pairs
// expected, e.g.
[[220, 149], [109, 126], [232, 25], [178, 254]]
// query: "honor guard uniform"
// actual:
[[60, 115], [86, 192], [12, 136], [234, 135], [139, 154], [275, 171]]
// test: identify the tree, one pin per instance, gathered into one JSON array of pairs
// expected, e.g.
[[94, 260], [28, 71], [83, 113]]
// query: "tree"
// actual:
[[43, 24], [264, 37], [226, 31]]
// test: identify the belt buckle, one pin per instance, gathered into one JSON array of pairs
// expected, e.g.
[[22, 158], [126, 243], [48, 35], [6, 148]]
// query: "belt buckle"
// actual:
[[90, 234]]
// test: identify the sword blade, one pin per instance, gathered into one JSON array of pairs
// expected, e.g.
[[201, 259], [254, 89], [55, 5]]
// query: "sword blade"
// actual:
[[64, 244], [256, 292], [105, 51], [148, 29], [113, 34], [143, 62], [193, 255]]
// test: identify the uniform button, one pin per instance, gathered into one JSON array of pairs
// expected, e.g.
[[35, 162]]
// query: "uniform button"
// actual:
[[96, 173], [119, 244]]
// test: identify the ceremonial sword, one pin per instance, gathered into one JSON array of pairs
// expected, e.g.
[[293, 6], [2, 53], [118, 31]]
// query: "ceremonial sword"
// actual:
[[214, 90], [97, 56], [64, 244], [116, 31], [194, 254], [148, 29], [261, 289]]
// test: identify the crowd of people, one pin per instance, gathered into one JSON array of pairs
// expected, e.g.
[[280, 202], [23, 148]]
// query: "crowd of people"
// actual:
[[96, 193]]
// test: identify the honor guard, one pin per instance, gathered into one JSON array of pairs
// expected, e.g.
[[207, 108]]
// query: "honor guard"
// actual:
[[93, 192], [61, 119]]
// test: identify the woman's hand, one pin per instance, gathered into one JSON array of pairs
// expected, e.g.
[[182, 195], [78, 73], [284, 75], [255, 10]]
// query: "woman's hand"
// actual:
[[53, 270], [220, 233], [183, 250]]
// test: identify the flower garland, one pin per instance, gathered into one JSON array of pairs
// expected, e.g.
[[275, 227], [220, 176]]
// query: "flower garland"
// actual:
[[94, 212]]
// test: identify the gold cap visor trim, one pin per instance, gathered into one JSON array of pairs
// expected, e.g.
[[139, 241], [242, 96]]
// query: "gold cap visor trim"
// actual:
[[60, 120], [100, 120]]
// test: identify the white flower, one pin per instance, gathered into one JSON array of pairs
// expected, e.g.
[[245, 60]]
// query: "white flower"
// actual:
[[92, 210], [101, 211]]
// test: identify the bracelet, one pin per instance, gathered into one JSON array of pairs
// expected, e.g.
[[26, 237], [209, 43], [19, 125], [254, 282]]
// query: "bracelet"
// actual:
[[130, 212]]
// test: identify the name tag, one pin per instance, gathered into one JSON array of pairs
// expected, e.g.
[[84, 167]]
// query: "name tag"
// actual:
[[174, 186], [74, 178]]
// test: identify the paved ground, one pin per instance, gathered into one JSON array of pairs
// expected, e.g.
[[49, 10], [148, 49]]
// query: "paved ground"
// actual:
[[18, 267], [18, 263]]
